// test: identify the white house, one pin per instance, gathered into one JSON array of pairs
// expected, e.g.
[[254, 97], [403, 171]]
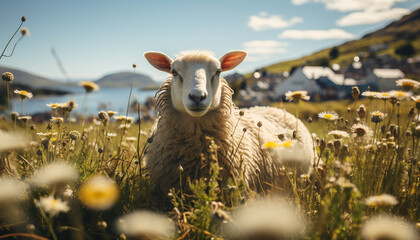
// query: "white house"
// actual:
[[316, 80], [384, 79]]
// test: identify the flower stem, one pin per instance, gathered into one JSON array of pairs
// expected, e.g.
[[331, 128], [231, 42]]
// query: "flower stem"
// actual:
[[8, 100], [2, 54]]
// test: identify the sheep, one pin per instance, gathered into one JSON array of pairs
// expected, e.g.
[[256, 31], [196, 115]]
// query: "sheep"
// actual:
[[194, 103]]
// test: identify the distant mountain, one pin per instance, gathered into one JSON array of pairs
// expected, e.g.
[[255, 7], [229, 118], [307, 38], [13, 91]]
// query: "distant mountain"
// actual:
[[31, 80], [382, 41], [123, 79]]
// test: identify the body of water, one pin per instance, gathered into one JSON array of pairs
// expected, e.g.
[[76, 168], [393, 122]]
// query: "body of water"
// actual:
[[104, 99]]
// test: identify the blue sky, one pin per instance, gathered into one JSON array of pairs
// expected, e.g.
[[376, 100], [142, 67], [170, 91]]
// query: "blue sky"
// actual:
[[94, 38]]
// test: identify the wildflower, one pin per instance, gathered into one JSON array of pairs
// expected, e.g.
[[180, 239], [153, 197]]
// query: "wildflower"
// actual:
[[24, 31], [337, 134], [267, 219], [355, 92], [360, 130], [416, 99], [361, 111], [111, 135], [369, 94], [344, 183], [89, 86], [57, 120], [47, 134], [9, 141], [146, 225], [388, 227], [99, 193], [296, 96], [124, 126], [25, 119], [23, 94], [52, 206], [11, 189], [400, 95], [328, 115], [23, 19], [382, 95], [131, 139], [124, 119], [407, 84], [377, 116], [381, 200], [103, 117], [74, 135], [7, 77], [111, 113], [55, 173]]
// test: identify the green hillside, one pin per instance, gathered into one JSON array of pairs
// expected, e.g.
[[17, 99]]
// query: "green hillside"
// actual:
[[405, 30]]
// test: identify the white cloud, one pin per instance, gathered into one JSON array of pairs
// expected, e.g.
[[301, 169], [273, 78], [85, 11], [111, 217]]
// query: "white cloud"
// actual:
[[264, 21], [369, 17], [356, 5], [299, 2], [316, 34], [263, 49]]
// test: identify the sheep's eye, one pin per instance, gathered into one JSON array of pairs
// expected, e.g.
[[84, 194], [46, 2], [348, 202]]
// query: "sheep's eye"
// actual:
[[218, 72], [174, 73]]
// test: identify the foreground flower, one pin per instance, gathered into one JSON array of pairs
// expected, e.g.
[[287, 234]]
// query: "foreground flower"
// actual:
[[11, 189], [408, 84], [361, 130], [99, 193], [55, 173], [416, 99], [388, 227], [296, 96], [369, 94], [328, 115], [111, 113], [400, 95], [267, 219], [382, 95], [381, 200], [289, 153], [125, 119], [9, 141], [52, 206], [23, 94], [377, 116], [7, 77], [146, 225], [338, 134], [89, 86]]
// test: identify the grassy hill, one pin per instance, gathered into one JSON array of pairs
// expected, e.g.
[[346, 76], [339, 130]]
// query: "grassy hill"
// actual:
[[31, 80], [405, 30], [123, 79]]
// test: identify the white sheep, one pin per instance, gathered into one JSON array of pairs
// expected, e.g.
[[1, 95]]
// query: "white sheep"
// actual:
[[195, 103]]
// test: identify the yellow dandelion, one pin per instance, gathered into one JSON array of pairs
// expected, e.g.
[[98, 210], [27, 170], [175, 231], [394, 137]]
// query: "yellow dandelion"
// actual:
[[23, 94], [328, 115], [99, 193], [89, 86], [296, 96]]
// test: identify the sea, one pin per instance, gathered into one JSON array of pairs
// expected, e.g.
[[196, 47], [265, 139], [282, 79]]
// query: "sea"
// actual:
[[114, 99]]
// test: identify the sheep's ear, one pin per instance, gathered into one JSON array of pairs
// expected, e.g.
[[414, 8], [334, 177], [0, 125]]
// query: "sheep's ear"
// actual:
[[232, 59], [159, 60]]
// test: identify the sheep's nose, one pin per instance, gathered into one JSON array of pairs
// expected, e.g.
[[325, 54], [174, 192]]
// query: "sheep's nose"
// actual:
[[197, 99]]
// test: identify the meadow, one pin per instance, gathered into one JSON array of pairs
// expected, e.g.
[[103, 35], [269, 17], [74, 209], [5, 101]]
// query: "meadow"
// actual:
[[86, 179]]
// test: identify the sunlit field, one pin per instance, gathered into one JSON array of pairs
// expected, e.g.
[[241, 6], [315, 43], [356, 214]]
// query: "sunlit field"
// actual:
[[87, 178]]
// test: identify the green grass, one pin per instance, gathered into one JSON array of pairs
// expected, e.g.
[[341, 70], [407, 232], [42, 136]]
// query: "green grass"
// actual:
[[361, 167]]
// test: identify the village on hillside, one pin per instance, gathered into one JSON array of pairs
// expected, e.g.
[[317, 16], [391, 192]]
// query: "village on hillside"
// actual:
[[367, 71]]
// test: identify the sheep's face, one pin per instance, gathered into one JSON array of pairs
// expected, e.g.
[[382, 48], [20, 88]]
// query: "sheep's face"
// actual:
[[195, 87]]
